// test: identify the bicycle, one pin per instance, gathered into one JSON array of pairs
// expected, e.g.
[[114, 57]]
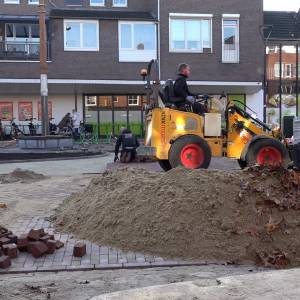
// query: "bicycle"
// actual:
[[53, 128], [88, 134], [15, 131], [32, 127]]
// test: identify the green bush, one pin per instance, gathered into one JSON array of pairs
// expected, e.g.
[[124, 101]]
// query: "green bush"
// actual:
[[107, 128]]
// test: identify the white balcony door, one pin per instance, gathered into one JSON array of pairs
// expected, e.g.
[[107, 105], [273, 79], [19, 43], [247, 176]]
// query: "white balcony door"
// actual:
[[231, 45]]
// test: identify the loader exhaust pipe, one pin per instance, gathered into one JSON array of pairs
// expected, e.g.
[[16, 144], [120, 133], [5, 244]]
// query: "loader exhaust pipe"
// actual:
[[152, 82]]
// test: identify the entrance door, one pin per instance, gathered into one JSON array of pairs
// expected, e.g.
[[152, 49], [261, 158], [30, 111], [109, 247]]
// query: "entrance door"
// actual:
[[135, 114], [106, 122]]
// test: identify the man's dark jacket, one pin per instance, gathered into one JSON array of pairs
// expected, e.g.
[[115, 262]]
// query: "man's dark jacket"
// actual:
[[128, 141], [181, 89]]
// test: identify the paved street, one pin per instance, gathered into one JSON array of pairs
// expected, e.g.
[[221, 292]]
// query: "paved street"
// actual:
[[71, 167]]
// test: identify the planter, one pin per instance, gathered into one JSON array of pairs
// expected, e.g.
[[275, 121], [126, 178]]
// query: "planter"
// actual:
[[45, 142]]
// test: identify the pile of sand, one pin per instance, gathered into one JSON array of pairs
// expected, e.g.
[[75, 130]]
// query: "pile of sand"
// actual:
[[19, 175], [234, 216]]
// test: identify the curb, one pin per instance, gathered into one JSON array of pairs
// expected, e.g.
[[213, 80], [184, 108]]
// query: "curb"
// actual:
[[96, 155], [108, 267]]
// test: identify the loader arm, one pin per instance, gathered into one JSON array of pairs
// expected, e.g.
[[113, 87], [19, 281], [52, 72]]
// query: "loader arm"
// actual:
[[242, 127]]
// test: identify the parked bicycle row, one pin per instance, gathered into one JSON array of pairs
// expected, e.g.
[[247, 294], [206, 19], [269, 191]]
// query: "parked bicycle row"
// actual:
[[68, 126]]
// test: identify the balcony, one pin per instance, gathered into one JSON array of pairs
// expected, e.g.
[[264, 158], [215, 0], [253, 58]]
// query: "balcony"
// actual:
[[231, 53], [21, 50]]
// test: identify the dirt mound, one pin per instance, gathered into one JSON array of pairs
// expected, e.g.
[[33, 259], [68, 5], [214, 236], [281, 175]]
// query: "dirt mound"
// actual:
[[19, 175], [234, 216]]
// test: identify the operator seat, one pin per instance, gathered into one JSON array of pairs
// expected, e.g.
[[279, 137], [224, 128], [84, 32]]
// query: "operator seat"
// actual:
[[167, 95]]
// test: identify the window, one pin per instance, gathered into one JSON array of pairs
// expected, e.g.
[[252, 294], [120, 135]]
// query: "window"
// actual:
[[34, 2], [81, 35], [231, 47], [12, 1], [133, 100], [73, 2], [277, 70], [97, 2], [137, 41], [190, 34], [288, 71], [20, 37], [120, 3]]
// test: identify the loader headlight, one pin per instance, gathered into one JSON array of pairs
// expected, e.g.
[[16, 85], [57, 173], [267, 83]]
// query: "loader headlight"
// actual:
[[180, 124]]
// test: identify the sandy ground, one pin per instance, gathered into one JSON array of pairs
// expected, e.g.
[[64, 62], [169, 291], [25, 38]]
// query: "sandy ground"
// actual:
[[64, 177], [84, 285], [36, 198], [39, 199]]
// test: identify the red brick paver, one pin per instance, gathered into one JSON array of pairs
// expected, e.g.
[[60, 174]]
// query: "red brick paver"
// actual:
[[97, 256]]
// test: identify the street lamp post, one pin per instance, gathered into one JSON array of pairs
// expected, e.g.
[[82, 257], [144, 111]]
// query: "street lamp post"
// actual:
[[43, 68]]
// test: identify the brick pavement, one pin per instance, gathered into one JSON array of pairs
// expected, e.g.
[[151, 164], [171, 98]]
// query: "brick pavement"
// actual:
[[97, 257]]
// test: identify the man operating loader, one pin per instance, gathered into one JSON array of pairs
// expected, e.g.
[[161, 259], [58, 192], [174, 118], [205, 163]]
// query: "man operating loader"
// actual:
[[182, 91]]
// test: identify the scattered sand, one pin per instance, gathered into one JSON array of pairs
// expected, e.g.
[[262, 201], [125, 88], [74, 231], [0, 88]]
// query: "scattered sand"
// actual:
[[23, 176], [234, 216]]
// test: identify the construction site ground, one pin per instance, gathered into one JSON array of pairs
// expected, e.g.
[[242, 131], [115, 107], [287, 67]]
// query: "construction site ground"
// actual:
[[104, 269]]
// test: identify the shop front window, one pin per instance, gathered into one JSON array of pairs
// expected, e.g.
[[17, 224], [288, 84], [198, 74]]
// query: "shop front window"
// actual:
[[281, 96], [109, 113]]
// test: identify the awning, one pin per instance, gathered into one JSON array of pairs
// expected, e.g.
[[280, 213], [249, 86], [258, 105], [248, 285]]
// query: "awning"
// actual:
[[101, 14], [12, 18], [67, 86]]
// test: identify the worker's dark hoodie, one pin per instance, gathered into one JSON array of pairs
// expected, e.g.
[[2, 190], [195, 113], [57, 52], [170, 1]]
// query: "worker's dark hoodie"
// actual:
[[128, 141]]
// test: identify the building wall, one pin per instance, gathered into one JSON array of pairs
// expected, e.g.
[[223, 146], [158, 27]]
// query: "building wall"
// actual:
[[209, 66], [94, 65], [287, 58], [61, 104], [104, 64], [91, 65], [24, 9]]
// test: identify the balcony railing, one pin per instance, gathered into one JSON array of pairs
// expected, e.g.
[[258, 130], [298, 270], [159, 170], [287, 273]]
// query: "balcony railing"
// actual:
[[231, 53], [15, 50]]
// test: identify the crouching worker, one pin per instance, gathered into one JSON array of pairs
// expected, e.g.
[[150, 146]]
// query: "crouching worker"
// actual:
[[129, 143]]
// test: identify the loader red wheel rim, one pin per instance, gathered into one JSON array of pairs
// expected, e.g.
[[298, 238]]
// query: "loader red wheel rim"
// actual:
[[192, 156], [269, 156]]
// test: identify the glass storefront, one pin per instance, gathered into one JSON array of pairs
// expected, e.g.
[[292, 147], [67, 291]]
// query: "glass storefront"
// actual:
[[282, 83], [109, 113]]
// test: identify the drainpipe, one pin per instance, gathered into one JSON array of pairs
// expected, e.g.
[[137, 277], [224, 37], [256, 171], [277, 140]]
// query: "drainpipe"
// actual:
[[297, 80], [280, 86], [265, 83]]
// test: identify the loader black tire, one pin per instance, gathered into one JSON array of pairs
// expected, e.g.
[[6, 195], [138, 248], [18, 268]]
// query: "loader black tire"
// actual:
[[191, 152], [268, 152], [242, 163], [165, 165]]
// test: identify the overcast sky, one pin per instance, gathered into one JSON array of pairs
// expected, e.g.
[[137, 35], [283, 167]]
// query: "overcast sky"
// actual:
[[290, 5]]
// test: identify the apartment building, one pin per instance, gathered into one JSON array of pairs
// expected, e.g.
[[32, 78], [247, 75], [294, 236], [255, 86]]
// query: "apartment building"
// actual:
[[97, 47], [282, 86]]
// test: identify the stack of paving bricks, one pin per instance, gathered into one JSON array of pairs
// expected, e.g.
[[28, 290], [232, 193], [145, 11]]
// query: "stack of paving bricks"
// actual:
[[36, 241]]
